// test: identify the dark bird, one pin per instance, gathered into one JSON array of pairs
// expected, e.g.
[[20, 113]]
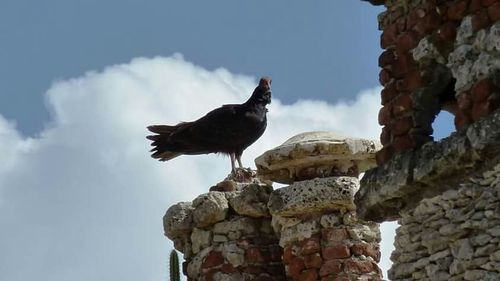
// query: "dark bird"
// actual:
[[229, 129]]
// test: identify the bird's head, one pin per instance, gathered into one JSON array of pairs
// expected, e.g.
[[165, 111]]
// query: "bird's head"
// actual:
[[263, 92]]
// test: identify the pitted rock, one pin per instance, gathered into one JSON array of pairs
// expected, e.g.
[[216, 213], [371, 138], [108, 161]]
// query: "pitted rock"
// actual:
[[178, 220], [210, 208], [314, 196], [316, 154], [252, 200]]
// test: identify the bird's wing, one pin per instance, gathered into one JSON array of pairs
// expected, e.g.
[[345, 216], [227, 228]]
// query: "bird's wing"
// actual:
[[211, 133]]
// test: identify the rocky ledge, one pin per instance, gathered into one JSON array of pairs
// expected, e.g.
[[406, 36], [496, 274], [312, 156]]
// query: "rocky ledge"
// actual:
[[407, 178]]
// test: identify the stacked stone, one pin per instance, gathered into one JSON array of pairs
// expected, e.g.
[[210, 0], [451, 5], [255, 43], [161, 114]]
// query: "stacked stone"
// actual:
[[227, 235], [453, 236], [314, 215], [428, 44]]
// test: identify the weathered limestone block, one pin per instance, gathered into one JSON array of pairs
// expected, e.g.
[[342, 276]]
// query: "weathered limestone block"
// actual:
[[314, 196], [227, 235], [251, 200], [316, 154], [314, 216], [178, 220], [210, 208]]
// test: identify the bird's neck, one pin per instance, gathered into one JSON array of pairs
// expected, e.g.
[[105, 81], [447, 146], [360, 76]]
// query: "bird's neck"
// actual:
[[255, 105]]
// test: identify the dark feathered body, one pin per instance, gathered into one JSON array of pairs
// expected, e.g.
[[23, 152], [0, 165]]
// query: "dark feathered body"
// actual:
[[229, 129]]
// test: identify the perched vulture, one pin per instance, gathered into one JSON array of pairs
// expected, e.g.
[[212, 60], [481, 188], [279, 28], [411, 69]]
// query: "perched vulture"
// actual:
[[229, 129]]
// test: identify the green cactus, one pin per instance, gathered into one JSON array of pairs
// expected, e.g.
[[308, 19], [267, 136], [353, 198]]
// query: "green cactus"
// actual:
[[175, 274]]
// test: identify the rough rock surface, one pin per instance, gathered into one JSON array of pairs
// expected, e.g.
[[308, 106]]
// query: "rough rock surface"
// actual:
[[210, 208], [314, 196], [227, 235], [452, 236], [434, 168], [251, 200], [316, 154]]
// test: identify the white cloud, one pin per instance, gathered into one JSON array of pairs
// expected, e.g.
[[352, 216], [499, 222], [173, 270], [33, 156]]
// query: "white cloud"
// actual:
[[84, 201]]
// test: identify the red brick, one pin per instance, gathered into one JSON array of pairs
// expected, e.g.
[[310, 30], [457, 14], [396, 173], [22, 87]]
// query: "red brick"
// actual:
[[330, 267], [403, 143], [412, 81], [416, 16], [385, 135], [480, 20], [487, 3], [428, 24], [254, 255], [359, 267], [336, 252], [407, 41], [388, 36], [464, 101], [385, 115], [457, 9], [295, 267], [384, 155], [402, 104], [214, 258], [384, 77], [402, 126], [462, 119], [387, 57], [494, 12], [474, 5], [334, 235], [288, 254], [481, 90], [447, 32], [366, 249], [310, 246], [313, 261], [309, 275], [402, 64], [389, 92], [483, 108]]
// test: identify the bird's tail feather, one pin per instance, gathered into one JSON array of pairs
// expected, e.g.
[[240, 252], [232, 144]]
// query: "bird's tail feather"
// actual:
[[160, 139], [162, 129], [165, 155]]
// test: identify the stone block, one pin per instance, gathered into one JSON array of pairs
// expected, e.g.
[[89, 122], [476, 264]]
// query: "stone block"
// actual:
[[178, 220], [252, 200], [210, 208], [314, 196], [316, 154]]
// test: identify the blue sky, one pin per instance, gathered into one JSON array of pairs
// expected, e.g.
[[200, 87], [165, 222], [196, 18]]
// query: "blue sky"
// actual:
[[80, 198], [324, 50]]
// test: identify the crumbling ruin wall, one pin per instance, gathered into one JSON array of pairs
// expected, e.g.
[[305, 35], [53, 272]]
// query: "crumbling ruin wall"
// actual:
[[439, 55], [452, 236]]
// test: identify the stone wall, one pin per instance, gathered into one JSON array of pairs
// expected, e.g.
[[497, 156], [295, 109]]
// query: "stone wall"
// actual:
[[227, 235], [320, 233], [239, 229], [453, 236], [438, 55]]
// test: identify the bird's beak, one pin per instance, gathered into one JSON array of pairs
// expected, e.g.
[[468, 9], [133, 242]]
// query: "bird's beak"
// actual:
[[268, 96]]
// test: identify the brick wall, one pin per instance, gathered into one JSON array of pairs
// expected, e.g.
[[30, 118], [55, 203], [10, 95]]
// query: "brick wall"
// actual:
[[438, 55]]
